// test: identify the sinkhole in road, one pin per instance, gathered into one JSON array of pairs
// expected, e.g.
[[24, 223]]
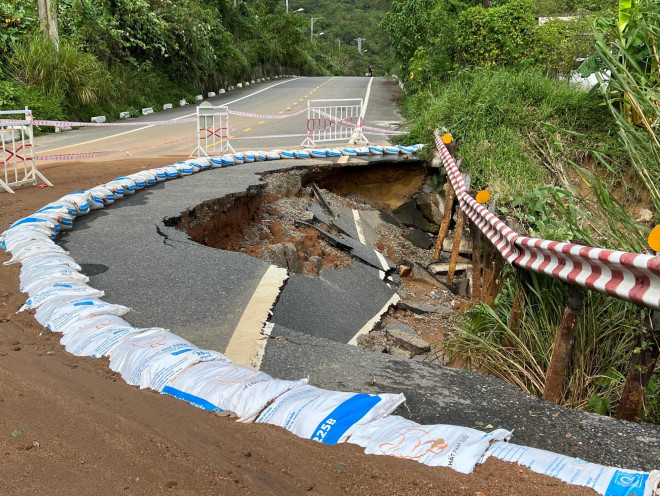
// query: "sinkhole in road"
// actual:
[[275, 221], [316, 220]]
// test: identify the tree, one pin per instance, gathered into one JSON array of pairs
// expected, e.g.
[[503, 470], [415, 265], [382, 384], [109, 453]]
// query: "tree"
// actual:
[[48, 20]]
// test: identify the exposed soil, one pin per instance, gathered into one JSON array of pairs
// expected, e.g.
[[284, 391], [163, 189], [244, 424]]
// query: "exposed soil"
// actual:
[[84, 431]]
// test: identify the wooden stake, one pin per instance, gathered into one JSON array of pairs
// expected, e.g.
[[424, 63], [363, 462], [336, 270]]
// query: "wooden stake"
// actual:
[[496, 278], [515, 317], [476, 262], [642, 364], [563, 348], [458, 236], [487, 270], [444, 226]]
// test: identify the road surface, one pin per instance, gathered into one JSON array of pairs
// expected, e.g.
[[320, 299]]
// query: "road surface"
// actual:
[[203, 293], [277, 98]]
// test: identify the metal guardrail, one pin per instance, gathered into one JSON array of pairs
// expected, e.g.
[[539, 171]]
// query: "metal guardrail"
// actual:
[[631, 277]]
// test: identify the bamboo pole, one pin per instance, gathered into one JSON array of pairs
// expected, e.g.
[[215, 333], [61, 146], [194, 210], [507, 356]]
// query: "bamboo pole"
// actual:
[[476, 263]]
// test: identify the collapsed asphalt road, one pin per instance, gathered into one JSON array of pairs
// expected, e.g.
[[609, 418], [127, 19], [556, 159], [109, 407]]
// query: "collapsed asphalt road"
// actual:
[[201, 293]]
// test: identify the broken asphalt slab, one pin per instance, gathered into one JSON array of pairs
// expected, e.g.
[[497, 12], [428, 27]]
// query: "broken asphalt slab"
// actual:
[[335, 305], [443, 395]]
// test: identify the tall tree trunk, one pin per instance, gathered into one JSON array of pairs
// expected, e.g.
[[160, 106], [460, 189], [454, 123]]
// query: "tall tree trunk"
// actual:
[[48, 20]]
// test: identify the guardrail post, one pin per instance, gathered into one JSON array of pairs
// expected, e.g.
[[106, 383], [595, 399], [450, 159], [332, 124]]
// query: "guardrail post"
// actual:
[[563, 348], [455, 248], [642, 364], [476, 263]]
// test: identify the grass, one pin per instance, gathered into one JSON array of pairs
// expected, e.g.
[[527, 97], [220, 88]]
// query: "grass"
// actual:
[[497, 118]]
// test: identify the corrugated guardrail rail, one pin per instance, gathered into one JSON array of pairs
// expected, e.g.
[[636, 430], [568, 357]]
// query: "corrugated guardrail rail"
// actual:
[[632, 277]]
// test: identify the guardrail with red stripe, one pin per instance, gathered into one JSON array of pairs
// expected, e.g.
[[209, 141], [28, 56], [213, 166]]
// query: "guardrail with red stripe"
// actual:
[[631, 277]]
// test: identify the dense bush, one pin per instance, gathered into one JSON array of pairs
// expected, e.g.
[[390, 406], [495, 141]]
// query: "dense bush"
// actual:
[[496, 36], [499, 118]]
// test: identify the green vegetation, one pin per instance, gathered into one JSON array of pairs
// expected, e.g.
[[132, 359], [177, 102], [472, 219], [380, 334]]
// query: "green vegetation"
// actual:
[[562, 162], [127, 54]]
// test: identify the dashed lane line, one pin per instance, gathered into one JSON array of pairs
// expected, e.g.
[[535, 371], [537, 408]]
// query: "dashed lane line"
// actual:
[[246, 346], [372, 322]]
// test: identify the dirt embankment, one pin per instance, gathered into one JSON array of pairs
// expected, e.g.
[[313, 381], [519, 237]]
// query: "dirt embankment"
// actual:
[[84, 431]]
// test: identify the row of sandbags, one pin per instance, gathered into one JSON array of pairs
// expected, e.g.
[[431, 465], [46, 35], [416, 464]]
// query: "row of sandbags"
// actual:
[[155, 358]]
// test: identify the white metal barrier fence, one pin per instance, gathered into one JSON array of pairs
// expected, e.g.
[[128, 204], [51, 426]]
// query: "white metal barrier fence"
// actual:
[[17, 156], [334, 120], [212, 130]]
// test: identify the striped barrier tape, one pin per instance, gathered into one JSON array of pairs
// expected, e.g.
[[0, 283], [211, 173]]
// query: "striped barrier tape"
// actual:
[[631, 277], [267, 116], [347, 123], [106, 153], [47, 123]]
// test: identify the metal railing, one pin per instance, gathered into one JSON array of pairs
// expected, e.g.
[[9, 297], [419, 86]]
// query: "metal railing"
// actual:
[[334, 120], [17, 155], [212, 130]]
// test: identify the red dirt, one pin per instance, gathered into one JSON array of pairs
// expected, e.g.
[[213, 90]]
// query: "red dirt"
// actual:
[[84, 431]]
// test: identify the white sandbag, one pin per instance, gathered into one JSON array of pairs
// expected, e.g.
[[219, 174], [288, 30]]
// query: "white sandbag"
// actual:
[[375, 150], [106, 195], [78, 199], [95, 199], [126, 183], [150, 177], [140, 182], [459, 448], [63, 219], [184, 169], [60, 290], [250, 157], [216, 162], [608, 481], [171, 171], [36, 264], [152, 359], [272, 155], [221, 385], [100, 342], [71, 312], [334, 152], [117, 189], [302, 154], [25, 237], [27, 278], [260, 156], [326, 416], [45, 225], [60, 206], [35, 251], [39, 283], [363, 150], [160, 173]]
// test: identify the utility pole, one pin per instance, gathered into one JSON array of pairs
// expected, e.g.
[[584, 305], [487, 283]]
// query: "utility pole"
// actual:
[[311, 28], [287, 6], [360, 40], [48, 20]]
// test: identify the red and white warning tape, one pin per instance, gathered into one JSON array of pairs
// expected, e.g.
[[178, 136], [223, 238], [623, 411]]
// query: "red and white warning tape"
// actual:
[[106, 153], [631, 277], [47, 123], [267, 116]]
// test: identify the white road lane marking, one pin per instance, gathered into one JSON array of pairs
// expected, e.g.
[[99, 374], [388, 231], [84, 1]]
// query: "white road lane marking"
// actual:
[[246, 346], [147, 127], [358, 227], [372, 322], [382, 260], [366, 98]]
